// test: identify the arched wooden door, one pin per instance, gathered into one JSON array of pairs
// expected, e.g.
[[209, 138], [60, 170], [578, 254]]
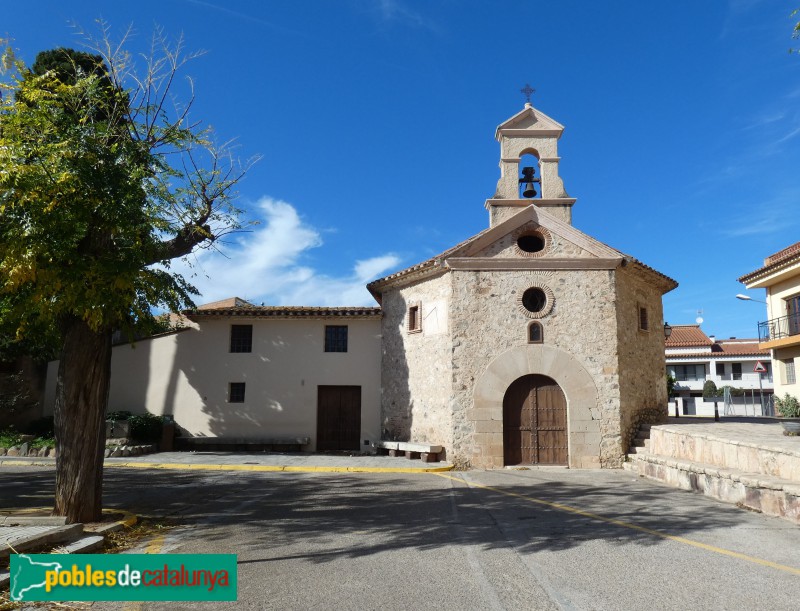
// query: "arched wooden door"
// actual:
[[534, 422]]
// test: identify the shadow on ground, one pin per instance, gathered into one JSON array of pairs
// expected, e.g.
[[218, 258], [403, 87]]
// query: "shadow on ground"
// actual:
[[386, 512]]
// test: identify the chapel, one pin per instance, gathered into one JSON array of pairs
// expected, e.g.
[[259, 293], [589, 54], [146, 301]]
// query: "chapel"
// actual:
[[530, 342]]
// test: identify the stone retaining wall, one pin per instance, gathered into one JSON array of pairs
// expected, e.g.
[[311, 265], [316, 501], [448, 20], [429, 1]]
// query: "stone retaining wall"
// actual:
[[51, 452]]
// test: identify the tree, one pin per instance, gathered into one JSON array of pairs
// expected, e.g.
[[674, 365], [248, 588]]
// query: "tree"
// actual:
[[709, 390], [671, 386], [102, 184]]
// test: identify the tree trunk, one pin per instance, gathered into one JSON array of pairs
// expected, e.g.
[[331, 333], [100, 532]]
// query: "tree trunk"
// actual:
[[84, 375]]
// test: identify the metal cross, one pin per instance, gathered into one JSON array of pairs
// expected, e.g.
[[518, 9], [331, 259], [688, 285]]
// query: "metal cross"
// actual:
[[527, 91]]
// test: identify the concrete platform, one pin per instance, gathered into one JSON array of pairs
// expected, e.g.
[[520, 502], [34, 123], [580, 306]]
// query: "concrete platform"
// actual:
[[747, 462]]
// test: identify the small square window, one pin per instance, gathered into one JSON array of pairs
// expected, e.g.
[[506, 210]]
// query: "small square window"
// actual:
[[414, 319], [335, 338], [241, 338], [236, 392], [643, 322]]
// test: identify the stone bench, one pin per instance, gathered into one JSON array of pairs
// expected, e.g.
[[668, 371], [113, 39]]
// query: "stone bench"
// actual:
[[425, 452], [242, 444]]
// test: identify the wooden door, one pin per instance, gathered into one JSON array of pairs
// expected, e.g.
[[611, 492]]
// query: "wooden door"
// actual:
[[534, 422], [338, 417]]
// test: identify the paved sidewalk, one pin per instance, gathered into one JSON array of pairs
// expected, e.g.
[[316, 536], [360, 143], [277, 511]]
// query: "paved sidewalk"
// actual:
[[298, 462]]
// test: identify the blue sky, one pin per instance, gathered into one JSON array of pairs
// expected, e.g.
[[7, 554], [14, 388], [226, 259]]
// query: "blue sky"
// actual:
[[376, 119]]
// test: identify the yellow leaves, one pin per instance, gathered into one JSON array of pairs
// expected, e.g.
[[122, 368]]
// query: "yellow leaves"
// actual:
[[23, 272]]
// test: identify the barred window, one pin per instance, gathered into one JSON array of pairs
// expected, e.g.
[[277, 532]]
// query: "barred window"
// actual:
[[335, 338], [241, 338], [791, 378], [236, 392]]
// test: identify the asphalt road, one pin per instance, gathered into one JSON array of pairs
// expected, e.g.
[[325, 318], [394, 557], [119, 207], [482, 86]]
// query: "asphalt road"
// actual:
[[535, 539]]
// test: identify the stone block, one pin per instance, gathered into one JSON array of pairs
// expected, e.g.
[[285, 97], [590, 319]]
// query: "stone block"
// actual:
[[717, 453], [3, 451], [496, 451], [731, 456], [489, 426], [13, 451]]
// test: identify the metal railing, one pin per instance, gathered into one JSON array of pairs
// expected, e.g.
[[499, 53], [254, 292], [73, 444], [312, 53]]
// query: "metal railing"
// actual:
[[778, 328]]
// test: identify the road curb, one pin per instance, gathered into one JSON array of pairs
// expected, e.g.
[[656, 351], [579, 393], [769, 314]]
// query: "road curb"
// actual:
[[258, 468], [275, 468]]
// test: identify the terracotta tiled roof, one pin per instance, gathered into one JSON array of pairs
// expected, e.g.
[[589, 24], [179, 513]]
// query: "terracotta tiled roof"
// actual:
[[427, 264], [230, 302], [250, 310], [720, 348], [783, 257], [686, 336], [738, 347]]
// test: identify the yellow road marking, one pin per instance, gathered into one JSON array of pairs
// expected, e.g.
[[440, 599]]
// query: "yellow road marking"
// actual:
[[128, 519], [644, 529]]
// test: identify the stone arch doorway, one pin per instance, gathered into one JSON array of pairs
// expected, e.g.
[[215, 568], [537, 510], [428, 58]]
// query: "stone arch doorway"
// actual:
[[578, 386], [534, 422]]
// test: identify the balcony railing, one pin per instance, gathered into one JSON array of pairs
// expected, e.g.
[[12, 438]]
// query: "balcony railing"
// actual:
[[778, 328]]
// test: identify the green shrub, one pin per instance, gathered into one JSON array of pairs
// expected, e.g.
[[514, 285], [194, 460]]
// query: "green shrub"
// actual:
[[145, 427], [788, 406], [735, 392], [118, 415], [709, 389], [9, 438]]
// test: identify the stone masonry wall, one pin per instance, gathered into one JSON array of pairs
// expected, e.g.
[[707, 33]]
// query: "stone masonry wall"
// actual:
[[486, 320], [643, 390], [558, 247], [416, 369]]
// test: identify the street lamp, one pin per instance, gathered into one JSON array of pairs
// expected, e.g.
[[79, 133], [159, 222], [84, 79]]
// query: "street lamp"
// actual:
[[748, 298], [667, 330]]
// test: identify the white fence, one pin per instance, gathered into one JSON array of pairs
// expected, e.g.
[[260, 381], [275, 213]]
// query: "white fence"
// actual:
[[750, 404]]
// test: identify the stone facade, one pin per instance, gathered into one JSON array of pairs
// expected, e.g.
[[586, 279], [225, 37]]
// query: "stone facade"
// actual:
[[448, 387], [416, 366]]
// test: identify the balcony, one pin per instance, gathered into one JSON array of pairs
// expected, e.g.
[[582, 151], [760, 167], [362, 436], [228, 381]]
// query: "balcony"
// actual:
[[747, 381], [779, 332]]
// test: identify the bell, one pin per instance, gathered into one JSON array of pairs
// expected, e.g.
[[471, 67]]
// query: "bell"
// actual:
[[528, 179], [529, 191]]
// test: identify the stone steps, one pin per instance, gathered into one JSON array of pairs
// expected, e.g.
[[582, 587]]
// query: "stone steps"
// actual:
[[734, 454], [763, 476], [770, 495]]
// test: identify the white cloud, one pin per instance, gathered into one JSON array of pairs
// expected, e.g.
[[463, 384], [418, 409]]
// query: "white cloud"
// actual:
[[395, 10], [265, 266]]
